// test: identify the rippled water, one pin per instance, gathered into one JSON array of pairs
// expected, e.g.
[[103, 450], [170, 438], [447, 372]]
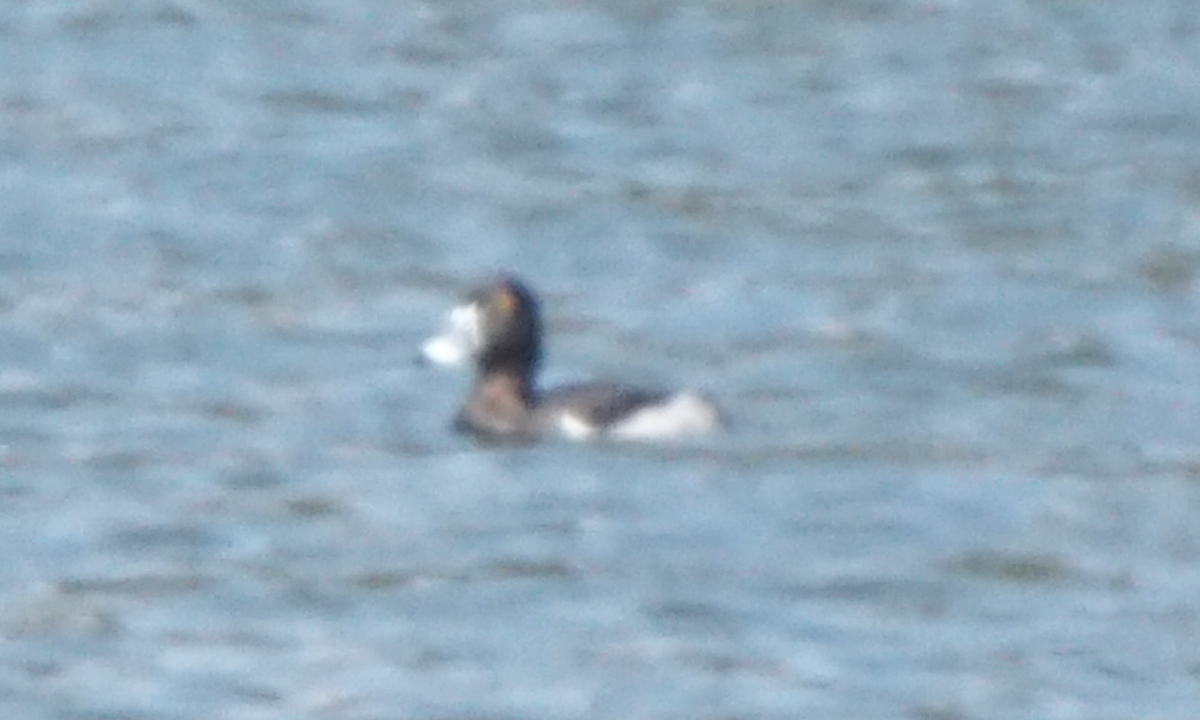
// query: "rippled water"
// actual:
[[938, 261]]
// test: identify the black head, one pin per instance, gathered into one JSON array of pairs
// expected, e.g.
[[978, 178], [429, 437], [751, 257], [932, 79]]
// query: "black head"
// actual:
[[510, 332]]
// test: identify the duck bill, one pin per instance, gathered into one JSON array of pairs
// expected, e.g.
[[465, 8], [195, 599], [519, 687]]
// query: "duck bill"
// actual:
[[458, 342]]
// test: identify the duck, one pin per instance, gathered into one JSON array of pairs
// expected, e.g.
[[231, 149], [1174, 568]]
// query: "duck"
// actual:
[[498, 329]]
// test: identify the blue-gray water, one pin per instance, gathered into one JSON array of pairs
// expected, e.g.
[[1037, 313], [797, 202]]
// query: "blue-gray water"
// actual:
[[938, 260]]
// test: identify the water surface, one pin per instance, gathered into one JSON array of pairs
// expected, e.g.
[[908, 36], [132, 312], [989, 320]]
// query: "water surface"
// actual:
[[937, 260]]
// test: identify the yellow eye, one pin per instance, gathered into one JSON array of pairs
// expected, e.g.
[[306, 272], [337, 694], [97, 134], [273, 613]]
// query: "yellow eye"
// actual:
[[506, 301]]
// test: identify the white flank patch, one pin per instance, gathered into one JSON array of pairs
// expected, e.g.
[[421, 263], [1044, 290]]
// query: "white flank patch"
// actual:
[[681, 414], [576, 429]]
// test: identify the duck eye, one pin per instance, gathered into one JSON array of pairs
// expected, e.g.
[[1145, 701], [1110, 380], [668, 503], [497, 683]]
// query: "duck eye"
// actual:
[[506, 301]]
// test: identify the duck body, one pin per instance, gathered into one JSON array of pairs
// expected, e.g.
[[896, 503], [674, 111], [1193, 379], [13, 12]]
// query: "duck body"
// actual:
[[499, 329]]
